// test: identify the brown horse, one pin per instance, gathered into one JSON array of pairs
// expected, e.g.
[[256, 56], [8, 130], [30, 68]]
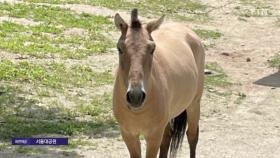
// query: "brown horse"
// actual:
[[159, 82]]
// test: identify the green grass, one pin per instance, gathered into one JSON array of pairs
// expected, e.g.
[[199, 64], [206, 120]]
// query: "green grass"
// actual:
[[208, 34], [193, 10], [22, 149], [23, 117], [53, 75], [98, 107], [219, 80], [33, 41], [54, 15], [3, 146], [38, 98], [254, 8], [24, 127], [74, 143], [36, 150], [275, 62], [48, 39]]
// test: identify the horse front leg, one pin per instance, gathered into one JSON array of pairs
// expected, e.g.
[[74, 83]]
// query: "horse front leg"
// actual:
[[133, 144], [165, 143], [153, 143]]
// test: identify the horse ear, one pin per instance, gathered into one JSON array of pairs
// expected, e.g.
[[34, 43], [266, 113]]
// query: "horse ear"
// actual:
[[153, 25], [120, 23]]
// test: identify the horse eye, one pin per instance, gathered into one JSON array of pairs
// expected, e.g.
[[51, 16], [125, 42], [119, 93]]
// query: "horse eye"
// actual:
[[119, 50]]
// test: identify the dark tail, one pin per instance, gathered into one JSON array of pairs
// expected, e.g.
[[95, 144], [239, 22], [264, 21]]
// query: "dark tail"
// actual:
[[178, 129]]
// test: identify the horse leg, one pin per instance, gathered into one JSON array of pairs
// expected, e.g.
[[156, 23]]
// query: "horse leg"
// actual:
[[193, 126], [133, 144], [165, 142], [153, 143]]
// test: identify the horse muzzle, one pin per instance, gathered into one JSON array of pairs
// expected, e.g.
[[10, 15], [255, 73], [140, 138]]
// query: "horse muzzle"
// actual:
[[135, 96]]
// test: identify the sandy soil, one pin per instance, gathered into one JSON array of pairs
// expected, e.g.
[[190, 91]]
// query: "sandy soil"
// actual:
[[250, 128]]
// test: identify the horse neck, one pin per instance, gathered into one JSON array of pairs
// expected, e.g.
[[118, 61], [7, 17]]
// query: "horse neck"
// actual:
[[120, 85]]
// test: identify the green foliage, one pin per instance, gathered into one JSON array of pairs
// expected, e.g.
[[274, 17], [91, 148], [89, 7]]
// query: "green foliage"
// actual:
[[193, 10], [219, 80], [48, 39], [275, 62], [22, 117], [208, 34], [54, 75], [254, 8], [100, 107], [54, 15]]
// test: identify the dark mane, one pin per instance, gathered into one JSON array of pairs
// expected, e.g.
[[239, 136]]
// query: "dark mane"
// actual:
[[135, 23]]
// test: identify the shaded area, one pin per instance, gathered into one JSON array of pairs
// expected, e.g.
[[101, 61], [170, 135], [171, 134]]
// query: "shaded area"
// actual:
[[272, 80], [45, 154], [21, 116]]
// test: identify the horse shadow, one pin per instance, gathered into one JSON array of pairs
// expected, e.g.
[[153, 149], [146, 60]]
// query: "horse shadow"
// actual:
[[272, 80]]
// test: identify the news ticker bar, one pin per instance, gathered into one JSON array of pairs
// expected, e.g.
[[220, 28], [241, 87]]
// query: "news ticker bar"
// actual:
[[39, 141]]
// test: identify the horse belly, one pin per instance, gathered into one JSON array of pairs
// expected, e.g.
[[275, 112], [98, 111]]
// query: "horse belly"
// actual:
[[182, 97], [182, 83]]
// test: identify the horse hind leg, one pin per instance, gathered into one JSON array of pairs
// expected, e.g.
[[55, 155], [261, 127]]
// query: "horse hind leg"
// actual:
[[193, 126], [164, 147]]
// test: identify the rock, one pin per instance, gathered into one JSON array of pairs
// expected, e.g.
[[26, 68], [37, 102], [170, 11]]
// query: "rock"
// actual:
[[211, 72], [207, 72], [225, 54], [248, 59]]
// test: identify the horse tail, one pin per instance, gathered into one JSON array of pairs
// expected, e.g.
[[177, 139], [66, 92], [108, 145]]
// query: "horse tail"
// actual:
[[178, 128]]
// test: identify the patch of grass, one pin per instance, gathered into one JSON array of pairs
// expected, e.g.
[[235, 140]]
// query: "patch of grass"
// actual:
[[3, 146], [240, 98], [254, 8], [22, 117], [48, 39], [33, 40], [75, 143], [54, 75], [23, 149], [54, 15], [43, 28], [183, 10], [43, 92], [24, 127], [98, 107], [275, 62], [219, 80], [34, 150], [208, 34]]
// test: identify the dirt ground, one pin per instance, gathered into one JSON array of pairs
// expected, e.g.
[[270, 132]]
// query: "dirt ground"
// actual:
[[228, 129]]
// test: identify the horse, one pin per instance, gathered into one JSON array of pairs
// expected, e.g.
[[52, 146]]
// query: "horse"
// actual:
[[158, 85]]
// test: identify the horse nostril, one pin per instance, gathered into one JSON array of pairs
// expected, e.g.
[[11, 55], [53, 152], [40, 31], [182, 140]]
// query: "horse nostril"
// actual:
[[128, 97], [143, 97], [135, 97]]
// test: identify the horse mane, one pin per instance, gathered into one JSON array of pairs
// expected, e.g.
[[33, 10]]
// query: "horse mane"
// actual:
[[135, 22]]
